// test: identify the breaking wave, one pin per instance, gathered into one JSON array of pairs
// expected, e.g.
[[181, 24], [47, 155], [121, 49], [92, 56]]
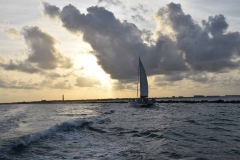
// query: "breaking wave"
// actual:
[[64, 126]]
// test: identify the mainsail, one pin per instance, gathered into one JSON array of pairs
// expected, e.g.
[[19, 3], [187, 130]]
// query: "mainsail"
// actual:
[[143, 81], [143, 101]]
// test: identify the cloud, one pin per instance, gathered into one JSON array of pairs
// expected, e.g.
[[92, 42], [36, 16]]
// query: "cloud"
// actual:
[[140, 9], [215, 25], [1, 60], [161, 80], [86, 82], [7, 82], [173, 78], [112, 2], [62, 85], [180, 44], [42, 55], [202, 52], [138, 17], [147, 37], [116, 44], [20, 66], [55, 84], [13, 33], [203, 78], [198, 77], [119, 44], [50, 10], [124, 86], [139, 12], [57, 75]]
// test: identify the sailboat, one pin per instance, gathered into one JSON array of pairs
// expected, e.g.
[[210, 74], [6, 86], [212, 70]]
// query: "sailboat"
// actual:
[[143, 100]]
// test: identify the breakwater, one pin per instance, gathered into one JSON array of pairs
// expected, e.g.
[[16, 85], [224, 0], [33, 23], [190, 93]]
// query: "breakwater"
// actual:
[[126, 100]]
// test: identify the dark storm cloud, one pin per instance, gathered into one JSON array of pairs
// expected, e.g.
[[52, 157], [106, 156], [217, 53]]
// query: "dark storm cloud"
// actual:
[[215, 25], [42, 53], [117, 44], [202, 51], [50, 10], [189, 47]]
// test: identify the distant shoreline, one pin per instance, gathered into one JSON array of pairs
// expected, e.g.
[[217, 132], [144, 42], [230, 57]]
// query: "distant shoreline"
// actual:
[[180, 99]]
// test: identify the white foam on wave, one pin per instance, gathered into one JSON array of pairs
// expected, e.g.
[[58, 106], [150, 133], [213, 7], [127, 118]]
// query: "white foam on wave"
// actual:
[[64, 126]]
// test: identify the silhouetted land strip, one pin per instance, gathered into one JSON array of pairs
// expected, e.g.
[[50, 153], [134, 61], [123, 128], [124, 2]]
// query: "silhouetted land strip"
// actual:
[[202, 101], [122, 100]]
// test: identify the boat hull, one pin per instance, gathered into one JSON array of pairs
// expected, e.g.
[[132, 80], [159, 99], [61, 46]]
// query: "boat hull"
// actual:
[[146, 103]]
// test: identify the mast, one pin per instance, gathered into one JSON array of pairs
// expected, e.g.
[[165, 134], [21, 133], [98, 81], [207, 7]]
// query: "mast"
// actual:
[[138, 77]]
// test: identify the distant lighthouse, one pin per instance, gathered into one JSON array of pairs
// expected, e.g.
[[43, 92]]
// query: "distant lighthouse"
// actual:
[[63, 97]]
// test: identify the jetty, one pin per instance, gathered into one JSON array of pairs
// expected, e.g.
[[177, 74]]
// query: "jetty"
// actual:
[[173, 99]]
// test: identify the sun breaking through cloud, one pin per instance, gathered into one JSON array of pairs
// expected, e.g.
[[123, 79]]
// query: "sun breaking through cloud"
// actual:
[[190, 47]]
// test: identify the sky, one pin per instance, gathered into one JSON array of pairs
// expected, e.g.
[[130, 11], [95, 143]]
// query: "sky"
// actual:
[[89, 49]]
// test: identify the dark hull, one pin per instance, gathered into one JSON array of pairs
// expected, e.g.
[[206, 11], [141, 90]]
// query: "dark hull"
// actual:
[[146, 105], [143, 103]]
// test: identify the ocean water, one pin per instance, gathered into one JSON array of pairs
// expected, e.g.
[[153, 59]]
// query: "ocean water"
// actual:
[[119, 132]]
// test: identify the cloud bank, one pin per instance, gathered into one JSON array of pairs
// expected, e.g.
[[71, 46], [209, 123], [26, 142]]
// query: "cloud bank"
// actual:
[[207, 48], [181, 44], [42, 54]]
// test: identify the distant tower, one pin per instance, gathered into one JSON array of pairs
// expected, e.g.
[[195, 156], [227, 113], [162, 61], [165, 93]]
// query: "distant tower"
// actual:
[[63, 97]]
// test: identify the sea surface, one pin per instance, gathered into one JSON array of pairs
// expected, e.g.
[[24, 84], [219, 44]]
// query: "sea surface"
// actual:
[[116, 131]]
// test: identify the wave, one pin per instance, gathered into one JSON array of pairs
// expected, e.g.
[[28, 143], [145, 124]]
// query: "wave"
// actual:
[[64, 126], [147, 134], [109, 112], [219, 129], [191, 121]]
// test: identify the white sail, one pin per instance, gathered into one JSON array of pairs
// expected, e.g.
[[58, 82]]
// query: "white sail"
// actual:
[[143, 81], [143, 101]]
